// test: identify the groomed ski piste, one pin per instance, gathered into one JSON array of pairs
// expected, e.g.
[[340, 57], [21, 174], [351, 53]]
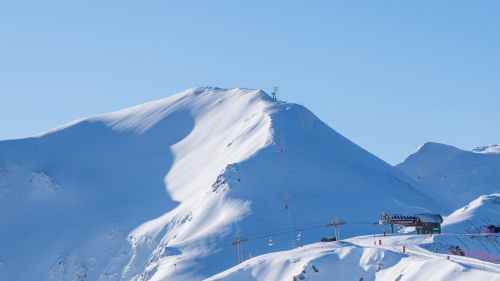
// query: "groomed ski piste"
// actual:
[[368, 258]]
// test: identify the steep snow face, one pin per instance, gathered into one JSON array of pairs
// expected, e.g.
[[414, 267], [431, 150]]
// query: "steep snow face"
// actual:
[[453, 175], [157, 191], [361, 258], [475, 216]]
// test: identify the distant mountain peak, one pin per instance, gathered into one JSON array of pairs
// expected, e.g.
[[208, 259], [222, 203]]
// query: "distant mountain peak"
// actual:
[[441, 147], [432, 149], [436, 146], [457, 176]]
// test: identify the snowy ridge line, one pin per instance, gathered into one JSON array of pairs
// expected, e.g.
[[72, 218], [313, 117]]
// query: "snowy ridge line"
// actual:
[[475, 216]]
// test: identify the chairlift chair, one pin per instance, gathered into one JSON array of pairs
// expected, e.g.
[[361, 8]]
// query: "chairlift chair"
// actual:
[[270, 242]]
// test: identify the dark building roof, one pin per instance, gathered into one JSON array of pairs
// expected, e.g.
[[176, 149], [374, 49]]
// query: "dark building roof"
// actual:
[[411, 219], [431, 217]]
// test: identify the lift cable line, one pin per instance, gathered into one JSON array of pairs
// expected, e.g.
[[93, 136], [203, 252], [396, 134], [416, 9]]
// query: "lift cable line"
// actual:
[[298, 230], [239, 239], [295, 229], [288, 229]]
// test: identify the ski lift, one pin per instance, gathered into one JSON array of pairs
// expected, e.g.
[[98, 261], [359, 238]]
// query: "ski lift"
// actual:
[[270, 242], [282, 144], [286, 201], [299, 239]]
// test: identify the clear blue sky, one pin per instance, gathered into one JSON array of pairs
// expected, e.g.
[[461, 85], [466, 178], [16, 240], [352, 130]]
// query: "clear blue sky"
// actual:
[[389, 75]]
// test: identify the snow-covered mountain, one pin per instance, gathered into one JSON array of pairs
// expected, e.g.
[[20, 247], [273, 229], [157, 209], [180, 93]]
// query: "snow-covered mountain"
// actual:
[[454, 175], [158, 191], [476, 216]]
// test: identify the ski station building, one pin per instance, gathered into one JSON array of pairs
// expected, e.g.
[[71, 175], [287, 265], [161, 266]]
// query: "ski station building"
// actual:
[[423, 223]]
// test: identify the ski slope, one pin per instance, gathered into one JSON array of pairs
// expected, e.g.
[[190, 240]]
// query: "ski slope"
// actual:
[[455, 176], [362, 258], [159, 190]]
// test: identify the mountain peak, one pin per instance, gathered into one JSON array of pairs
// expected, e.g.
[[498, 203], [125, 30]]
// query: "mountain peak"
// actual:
[[435, 146], [433, 150], [211, 90], [196, 101]]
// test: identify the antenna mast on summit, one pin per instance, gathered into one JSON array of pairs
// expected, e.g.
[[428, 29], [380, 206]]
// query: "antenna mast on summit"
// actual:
[[275, 93]]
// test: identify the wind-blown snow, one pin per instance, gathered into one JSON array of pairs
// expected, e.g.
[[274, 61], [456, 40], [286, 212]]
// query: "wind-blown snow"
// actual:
[[158, 190]]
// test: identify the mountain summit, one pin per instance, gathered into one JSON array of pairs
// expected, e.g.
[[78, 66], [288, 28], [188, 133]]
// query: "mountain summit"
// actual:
[[162, 189]]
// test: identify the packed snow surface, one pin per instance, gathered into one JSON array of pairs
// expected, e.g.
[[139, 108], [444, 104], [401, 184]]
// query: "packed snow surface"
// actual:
[[453, 175], [159, 190], [362, 258]]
